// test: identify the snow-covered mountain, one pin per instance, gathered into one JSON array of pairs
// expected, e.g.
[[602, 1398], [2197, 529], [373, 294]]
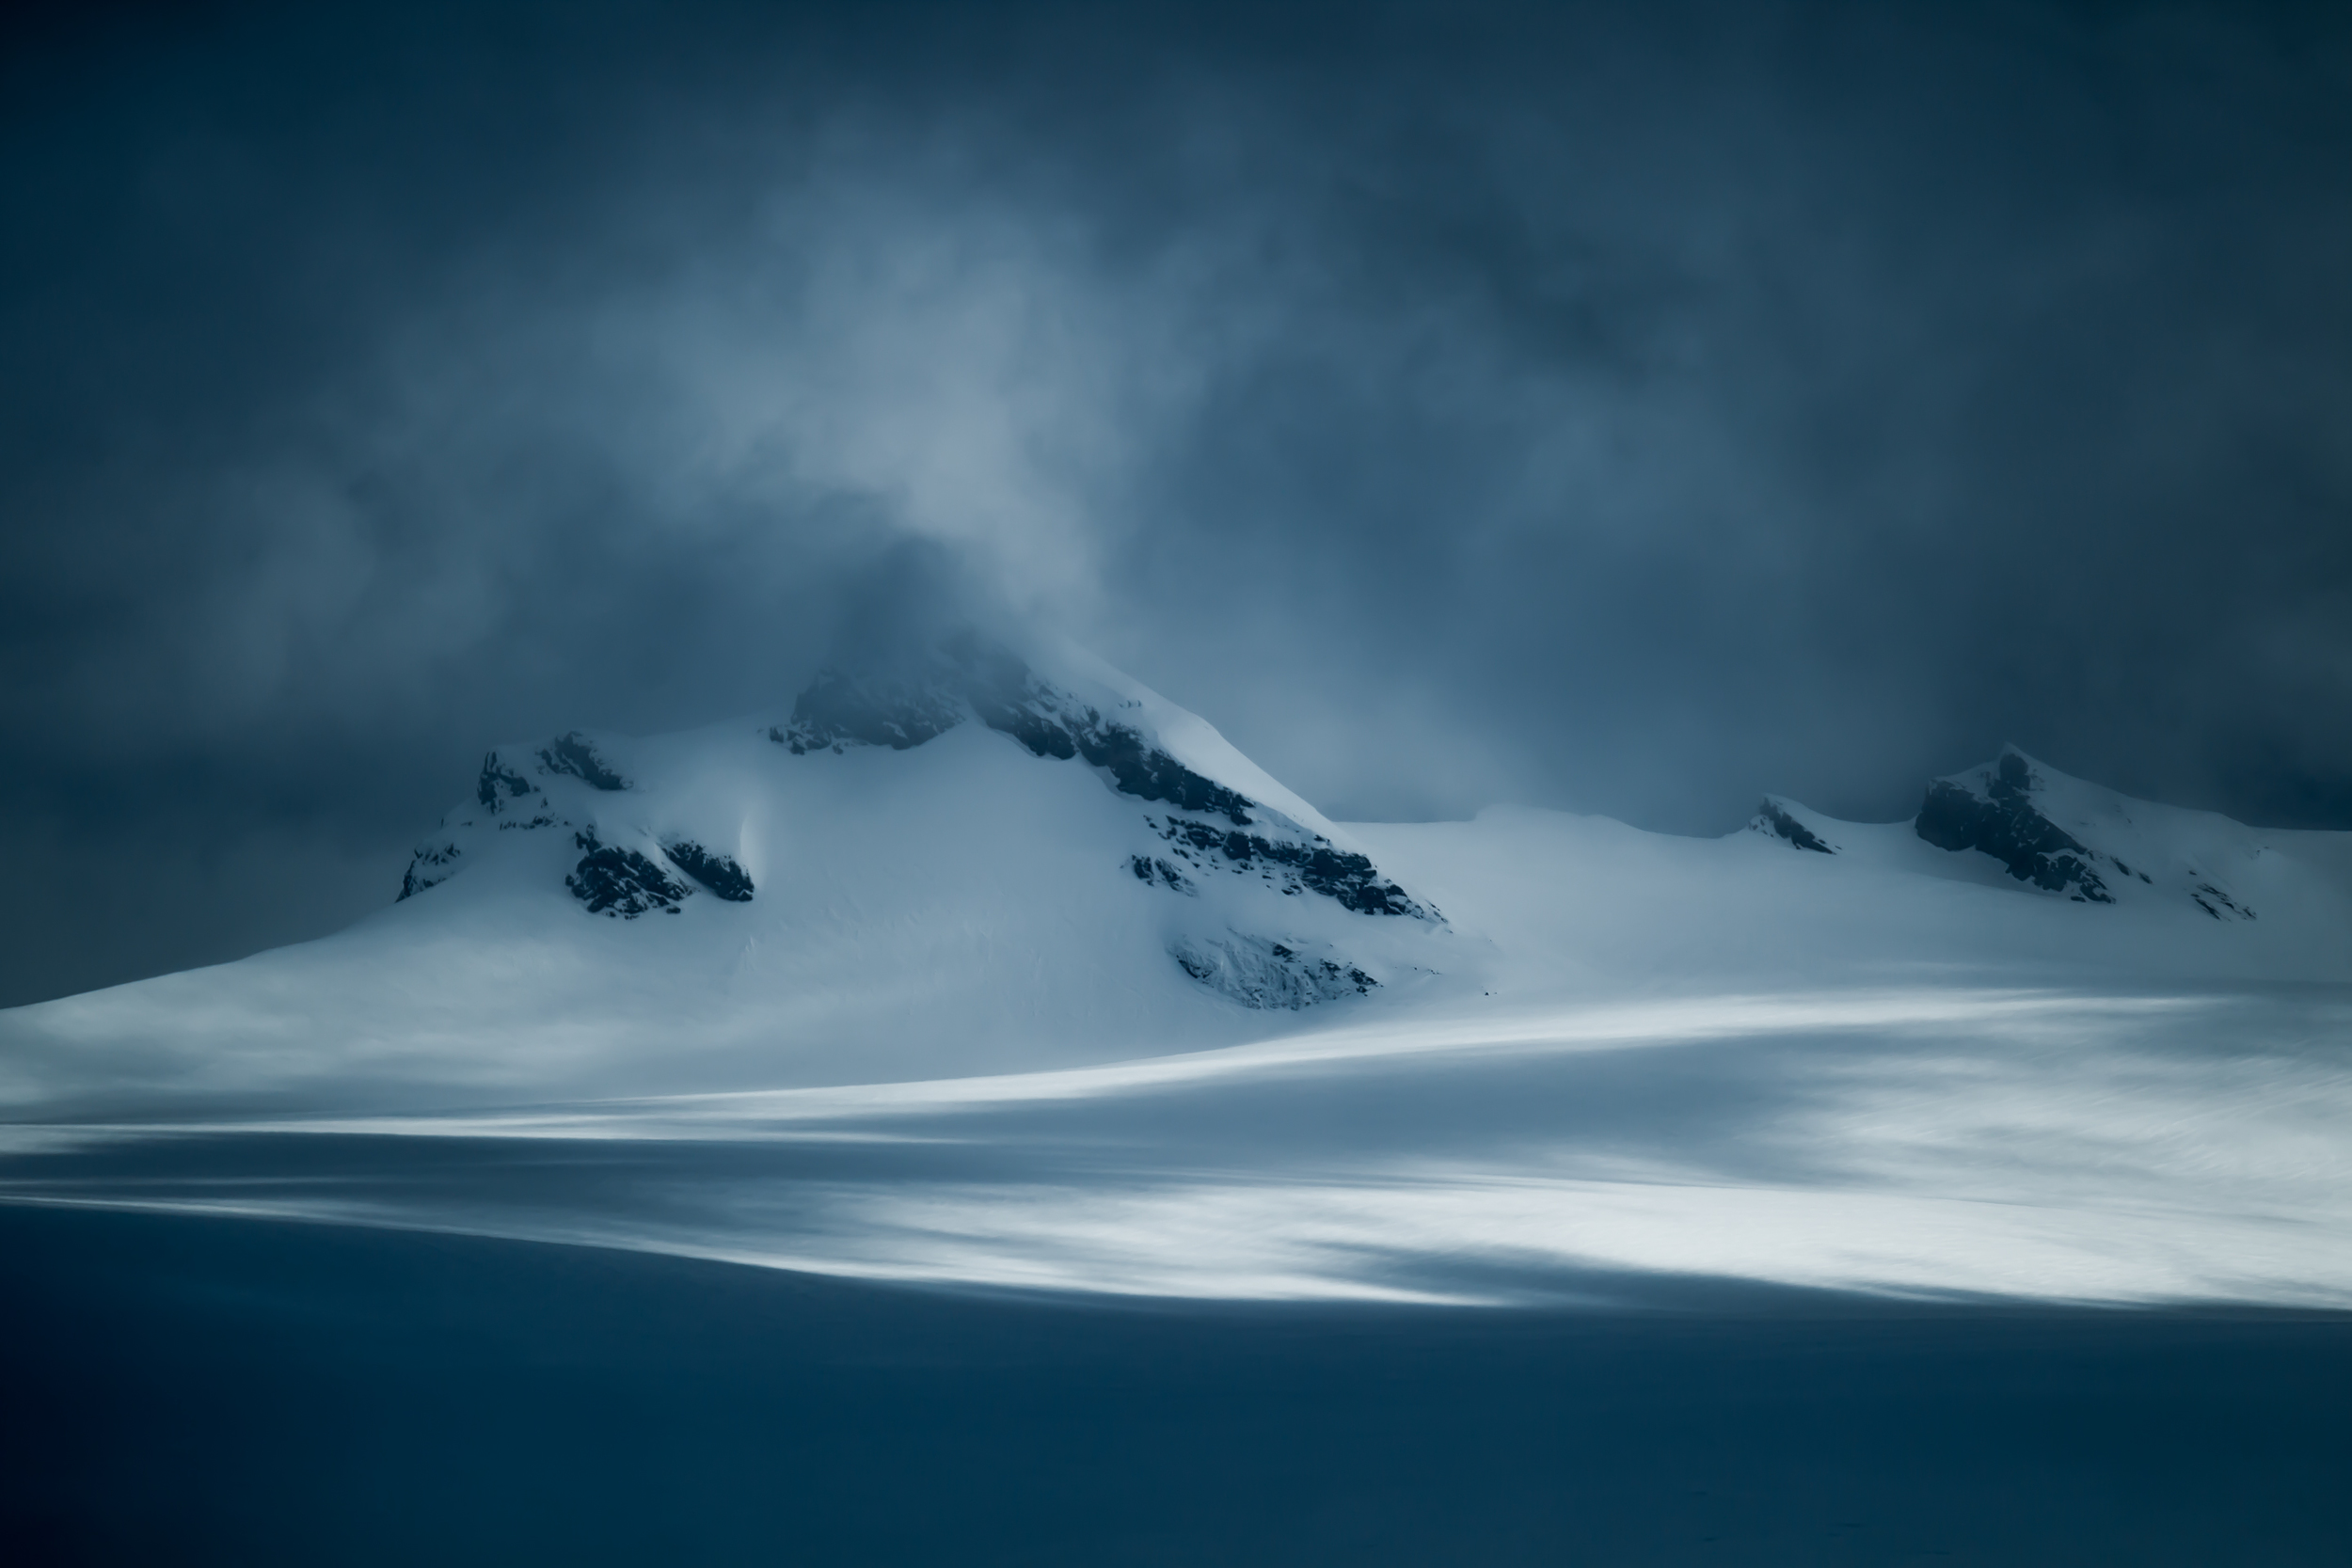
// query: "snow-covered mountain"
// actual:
[[975, 861], [2069, 839], [1251, 892], [964, 861]]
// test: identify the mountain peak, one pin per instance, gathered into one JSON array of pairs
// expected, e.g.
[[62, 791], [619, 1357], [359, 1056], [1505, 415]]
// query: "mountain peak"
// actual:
[[1207, 822], [1256, 895], [2083, 841], [1992, 809]]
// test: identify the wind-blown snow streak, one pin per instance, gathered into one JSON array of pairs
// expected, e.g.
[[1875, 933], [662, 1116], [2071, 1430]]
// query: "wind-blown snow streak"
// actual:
[[2021, 1145]]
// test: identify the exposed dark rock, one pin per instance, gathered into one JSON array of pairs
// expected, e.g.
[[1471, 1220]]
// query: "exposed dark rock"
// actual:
[[1135, 767], [575, 755], [499, 780], [1052, 723], [1257, 971], [422, 865], [1150, 870], [1012, 701], [2005, 823], [621, 883], [2212, 901], [717, 872], [1151, 774], [1772, 818], [840, 709], [1316, 865]]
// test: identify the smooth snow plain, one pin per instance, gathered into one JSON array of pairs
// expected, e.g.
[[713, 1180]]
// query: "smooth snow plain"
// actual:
[[946, 1042]]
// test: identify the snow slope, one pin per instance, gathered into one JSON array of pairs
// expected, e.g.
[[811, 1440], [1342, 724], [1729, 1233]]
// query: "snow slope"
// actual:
[[1582, 905], [1008, 972]]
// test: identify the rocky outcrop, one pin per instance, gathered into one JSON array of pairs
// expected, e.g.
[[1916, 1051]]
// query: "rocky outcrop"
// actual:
[[1260, 971], [621, 884], [718, 873], [576, 755], [500, 783], [1310, 866], [1150, 870], [1774, 819], [430, 866], [1053, 723], [2219, 904], [1997, 817]]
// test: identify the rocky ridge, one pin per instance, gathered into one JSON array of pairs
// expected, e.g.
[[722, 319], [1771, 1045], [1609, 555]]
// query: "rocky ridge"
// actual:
[[2078, 841], [1212, 829], [1993, 810]]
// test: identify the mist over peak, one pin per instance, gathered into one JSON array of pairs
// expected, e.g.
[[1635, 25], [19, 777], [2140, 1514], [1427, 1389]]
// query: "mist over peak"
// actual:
[[1633, 412]]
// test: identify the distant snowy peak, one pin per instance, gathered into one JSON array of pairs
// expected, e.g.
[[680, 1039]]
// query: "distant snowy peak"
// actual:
[[2058, 836], [1993, 810], [2079, 840], [1209, 825]]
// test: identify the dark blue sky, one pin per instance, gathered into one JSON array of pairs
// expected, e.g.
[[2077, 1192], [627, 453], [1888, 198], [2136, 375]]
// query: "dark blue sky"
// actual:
[[1630, 409]]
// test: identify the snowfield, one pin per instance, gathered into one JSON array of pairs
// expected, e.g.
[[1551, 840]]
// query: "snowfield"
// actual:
[[1007, 972]]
